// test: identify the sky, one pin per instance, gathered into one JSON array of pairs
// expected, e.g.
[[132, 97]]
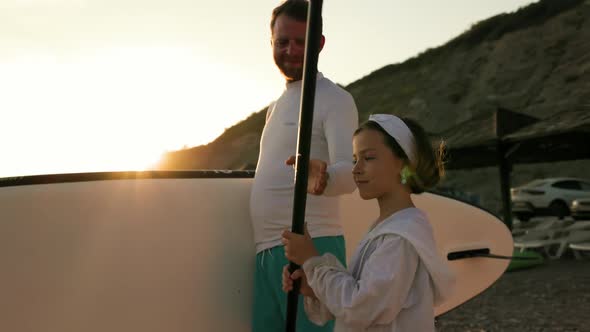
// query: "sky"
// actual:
[[110, 85]]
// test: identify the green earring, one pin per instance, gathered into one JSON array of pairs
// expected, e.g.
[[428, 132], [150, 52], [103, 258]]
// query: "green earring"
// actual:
[[405, 174]]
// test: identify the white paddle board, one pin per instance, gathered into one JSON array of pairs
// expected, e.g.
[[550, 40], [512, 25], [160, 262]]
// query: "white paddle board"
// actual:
[[173, 254]]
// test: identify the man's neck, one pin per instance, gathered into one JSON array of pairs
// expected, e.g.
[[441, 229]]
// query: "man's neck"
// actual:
[[290, 80]]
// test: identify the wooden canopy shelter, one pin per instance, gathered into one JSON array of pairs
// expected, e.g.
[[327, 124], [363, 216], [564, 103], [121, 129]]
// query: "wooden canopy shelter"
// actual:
[[505, 138]]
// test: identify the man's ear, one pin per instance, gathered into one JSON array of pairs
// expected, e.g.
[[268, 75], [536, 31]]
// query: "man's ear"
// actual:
[[322, 42]]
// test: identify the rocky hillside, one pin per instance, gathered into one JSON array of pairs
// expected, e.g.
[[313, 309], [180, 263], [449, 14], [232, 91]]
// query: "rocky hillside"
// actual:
[[534, 61]]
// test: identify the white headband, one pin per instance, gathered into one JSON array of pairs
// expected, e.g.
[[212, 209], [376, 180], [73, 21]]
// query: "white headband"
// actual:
[[397, 129]]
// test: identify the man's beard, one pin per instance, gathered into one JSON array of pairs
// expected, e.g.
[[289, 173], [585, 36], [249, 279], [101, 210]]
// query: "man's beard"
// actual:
[[290, 73]]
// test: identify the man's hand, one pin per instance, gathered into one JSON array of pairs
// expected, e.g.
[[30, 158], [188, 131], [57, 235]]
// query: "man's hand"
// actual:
[[318, 176]]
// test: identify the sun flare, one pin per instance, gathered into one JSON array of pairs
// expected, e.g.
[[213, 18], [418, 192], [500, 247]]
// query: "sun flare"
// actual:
[[117, 109]]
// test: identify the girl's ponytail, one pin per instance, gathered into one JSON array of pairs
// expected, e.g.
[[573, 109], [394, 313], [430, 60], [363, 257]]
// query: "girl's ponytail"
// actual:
[[428, 168]]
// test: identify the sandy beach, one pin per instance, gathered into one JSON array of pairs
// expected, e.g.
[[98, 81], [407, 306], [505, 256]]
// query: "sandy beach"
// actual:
[[554, 296]]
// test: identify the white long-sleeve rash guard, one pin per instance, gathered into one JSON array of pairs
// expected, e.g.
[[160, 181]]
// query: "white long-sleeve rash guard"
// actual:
[[271, 201]]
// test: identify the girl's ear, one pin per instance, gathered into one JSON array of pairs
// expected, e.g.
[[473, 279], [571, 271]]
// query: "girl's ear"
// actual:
[[399, 162]]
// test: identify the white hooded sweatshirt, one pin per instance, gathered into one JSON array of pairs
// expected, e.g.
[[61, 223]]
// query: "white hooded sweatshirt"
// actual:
[[394, 280]]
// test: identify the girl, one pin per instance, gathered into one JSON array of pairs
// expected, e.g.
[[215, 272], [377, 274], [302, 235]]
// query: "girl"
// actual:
[[396, 276]]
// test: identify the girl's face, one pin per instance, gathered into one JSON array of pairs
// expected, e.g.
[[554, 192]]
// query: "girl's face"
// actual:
[[376, 168]]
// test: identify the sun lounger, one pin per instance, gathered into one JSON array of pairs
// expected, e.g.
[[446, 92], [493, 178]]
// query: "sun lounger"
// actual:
[[559, 240], [544, 226], [546, 230], [580, 248], [579, 225]]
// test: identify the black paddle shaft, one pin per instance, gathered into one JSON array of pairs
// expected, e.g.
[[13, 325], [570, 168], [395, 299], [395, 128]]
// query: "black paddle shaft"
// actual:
[[310, 62]]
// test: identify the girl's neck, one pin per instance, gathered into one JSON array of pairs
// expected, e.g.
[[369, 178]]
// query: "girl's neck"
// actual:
[[392, 203]]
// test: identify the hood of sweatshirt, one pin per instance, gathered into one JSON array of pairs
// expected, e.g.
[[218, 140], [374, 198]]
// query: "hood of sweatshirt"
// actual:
[[412, 224]]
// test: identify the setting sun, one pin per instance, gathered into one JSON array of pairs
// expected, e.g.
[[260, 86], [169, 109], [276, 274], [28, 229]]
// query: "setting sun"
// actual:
[[116, 109]]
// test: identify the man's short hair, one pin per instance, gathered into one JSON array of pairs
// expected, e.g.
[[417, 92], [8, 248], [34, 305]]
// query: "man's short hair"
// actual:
[[295, 9]]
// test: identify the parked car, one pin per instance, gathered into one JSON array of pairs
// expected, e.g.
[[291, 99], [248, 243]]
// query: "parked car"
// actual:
[[580, 209], [547, 197]]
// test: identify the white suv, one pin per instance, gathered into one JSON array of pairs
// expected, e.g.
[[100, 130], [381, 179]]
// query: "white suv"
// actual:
[[552, 196]]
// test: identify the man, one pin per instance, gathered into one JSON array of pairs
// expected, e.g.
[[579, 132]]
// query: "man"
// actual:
[[335, 119]]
